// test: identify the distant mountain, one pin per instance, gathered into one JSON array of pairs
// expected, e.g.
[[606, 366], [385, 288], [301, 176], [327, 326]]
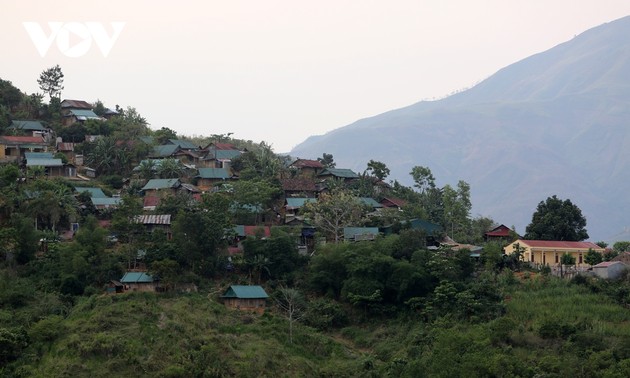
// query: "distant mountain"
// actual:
[[557, 122]]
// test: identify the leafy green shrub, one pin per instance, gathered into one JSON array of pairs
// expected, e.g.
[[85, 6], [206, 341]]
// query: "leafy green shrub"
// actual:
[[325, 314]]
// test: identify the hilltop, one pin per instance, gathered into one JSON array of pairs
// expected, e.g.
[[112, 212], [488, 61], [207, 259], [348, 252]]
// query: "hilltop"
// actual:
[[553, 123]]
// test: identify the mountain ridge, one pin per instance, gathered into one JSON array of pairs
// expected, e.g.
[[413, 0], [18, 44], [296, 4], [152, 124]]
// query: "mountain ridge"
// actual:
[[552, 123]]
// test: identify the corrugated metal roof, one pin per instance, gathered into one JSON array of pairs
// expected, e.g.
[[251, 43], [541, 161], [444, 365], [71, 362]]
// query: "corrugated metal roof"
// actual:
[[83, 113], [65, 146], [339, 172], [94, 192], [7, 139], [105, 201], [136, 277], [299, 184], [165, 150], [305, 163], [245, 292], [558, 244], [79, 104], [213, 173], [27, 125], [44, 163], [352, 232], [296, 203], [606, 264], [370, 202], [155, 184], [154, 219], [39, 155], [183, 144]]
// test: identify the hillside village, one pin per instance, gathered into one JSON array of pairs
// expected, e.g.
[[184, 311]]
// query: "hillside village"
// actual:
[[95, 202]]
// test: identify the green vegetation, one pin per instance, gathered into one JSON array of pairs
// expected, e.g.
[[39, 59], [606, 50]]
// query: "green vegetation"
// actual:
[[399, 305]]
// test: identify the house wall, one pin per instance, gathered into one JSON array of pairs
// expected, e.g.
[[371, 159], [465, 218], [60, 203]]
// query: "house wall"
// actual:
[[609, 272], [551, 257], [142, 286], [253, 305]]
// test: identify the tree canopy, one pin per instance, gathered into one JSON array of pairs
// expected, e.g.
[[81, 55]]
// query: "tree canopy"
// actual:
[[555, 219], [51, 81]]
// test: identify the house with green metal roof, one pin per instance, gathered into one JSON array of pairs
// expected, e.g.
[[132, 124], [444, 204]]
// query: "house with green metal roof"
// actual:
[[79, 115], [164, 151], [370, 202], [360, 233], [183, 144], [208, 177], [106, 202], [339, 173], [246, 298], [28, 126], [94, 192], [155, 187], [139, 281]]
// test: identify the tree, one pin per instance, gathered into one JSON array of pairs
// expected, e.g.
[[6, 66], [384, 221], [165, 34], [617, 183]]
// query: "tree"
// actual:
[[327, 160], [566, 259], [291, 302], [334, 211], [423, 178], [170, 168], [378, 169], [592, 257], [164, 134], [457, 207], [51, 81], [556, 219]]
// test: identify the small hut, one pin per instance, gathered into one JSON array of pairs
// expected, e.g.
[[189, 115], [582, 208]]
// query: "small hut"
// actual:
[[246, 298], [139, 281], [115, 287]]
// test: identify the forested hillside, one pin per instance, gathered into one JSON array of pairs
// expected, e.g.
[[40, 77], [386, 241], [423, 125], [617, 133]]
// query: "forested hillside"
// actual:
[[364, 277]]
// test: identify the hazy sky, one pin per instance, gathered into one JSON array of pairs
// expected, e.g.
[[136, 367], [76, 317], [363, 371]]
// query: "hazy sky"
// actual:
[[280, 71]]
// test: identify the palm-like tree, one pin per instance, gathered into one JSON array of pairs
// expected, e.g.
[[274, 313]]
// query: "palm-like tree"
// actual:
[[170, 168], [146, 169]]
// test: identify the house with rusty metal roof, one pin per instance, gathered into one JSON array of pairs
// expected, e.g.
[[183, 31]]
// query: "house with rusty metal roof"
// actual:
[[156, 223], [13, 148], [307, 168]]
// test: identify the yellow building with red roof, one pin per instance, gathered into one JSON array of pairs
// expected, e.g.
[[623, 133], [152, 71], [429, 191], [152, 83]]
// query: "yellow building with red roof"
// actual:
[[549, 252]]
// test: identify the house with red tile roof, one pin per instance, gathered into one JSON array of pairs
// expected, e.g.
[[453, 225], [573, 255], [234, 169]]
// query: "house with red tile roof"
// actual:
[[549, 252]]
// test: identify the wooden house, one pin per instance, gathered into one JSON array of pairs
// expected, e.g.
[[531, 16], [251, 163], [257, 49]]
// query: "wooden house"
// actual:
[[139, 281], [293, 206], [77, 111], [338, 173], [209, 177], [220, 155], [353, 234], [161, 187], [115, 287], [393, 203], [156, 223], [13, 148], [251, 298], [307, 168], [299, 187], [500, 233]]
